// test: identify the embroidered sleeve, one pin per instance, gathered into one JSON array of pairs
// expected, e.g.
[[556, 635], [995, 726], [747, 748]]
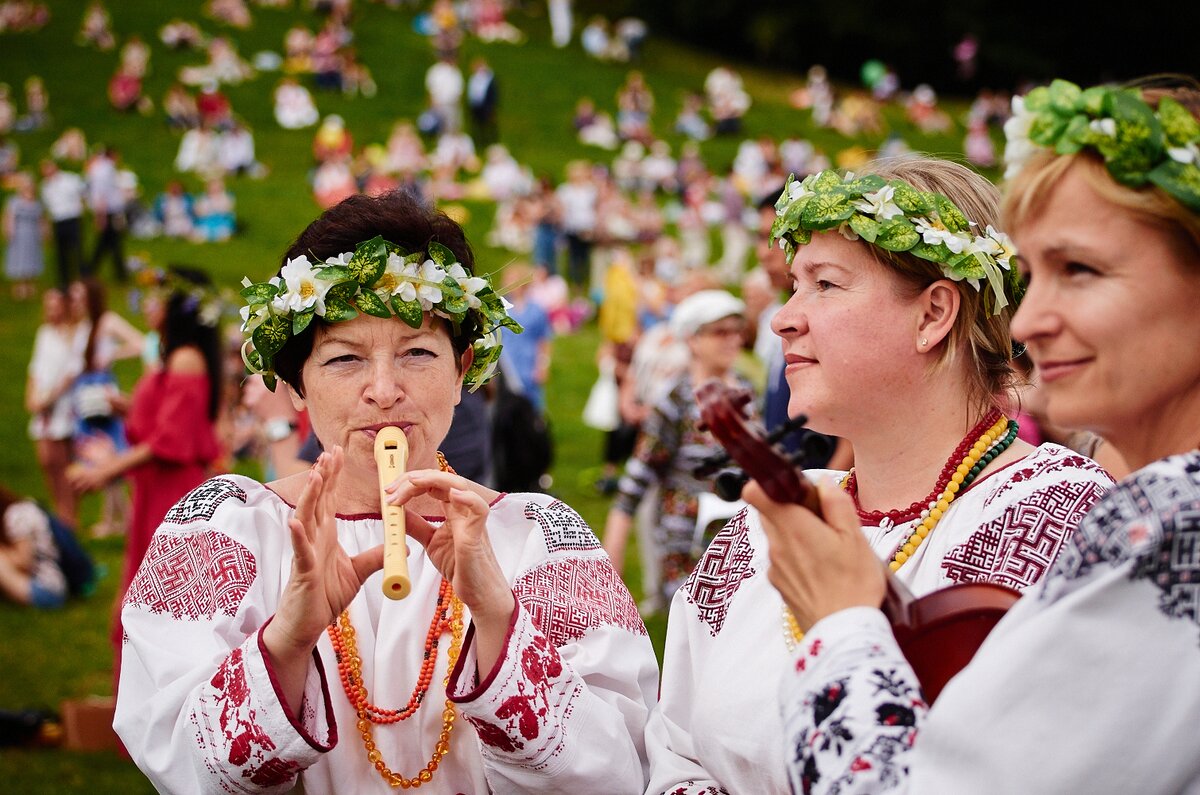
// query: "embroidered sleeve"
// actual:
[[199, 706], [564, 708], [246, 739], [851, 708]]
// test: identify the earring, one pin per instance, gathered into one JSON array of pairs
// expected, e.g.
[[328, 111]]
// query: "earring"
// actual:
[[924, 342]]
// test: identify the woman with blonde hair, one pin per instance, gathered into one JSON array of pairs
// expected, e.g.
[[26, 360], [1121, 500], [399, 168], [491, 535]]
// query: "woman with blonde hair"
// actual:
[[895, 338], [1104, 205]]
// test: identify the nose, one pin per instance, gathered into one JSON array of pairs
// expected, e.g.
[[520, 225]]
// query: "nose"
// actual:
[[790, 320], [1037, 316], [384, 387]]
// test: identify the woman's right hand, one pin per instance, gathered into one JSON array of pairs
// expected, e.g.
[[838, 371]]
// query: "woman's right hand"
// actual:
[[324, 578]]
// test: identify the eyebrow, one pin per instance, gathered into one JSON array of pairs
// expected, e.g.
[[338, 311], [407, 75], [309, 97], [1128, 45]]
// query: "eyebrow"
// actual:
[[810, 267]]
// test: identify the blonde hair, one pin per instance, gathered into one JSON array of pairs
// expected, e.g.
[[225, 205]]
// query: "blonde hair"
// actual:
[[979, 342]]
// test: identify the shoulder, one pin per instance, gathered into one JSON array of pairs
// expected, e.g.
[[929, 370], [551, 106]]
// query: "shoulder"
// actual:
[[186, 361], [557, 525], [223, 499], [1048, 468], [1156, 509], [1148, 526], [727, 563]]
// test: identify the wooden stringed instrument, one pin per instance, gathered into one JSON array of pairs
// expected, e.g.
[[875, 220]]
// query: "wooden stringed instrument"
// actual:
[[939, 632]]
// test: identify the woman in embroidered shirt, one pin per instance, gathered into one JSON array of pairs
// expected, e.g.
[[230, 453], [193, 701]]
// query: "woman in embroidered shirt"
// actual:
[[902, 347], [260, 646], [1106, 649]]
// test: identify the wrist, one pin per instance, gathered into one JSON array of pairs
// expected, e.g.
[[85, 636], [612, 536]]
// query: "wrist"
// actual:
[[494, 610]]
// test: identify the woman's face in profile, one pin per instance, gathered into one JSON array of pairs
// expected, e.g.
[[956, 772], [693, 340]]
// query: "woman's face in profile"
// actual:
[[1112, 312], [849, 335]]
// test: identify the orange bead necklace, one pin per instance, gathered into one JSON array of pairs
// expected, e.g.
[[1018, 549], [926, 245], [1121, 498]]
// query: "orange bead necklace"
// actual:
[[447, 616]]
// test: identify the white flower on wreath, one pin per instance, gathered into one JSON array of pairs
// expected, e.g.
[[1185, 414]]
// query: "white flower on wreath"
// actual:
[[253, 321], [847, 231], [487, 342], [430, 293], [341, 260], [470, 284], [1001, 246], [1106, 127], [302, 289], [934, 234], [1188, 153], [1018, 148], [798, 190], [879, 204], [392, 280]]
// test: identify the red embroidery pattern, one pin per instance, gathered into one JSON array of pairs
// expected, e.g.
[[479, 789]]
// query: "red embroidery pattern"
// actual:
[[193, 576], [568, 598], [1018, 547], [237, 736], [562, 527], [201, 503], [691, 788], [1040, 466], [532, 704], [720, 572]]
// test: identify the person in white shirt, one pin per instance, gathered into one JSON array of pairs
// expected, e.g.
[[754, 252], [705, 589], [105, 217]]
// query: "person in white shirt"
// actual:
[[444, 83], [62, 195]]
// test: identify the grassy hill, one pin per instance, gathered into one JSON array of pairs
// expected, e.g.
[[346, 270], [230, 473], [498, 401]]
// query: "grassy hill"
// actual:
[[65, 654]]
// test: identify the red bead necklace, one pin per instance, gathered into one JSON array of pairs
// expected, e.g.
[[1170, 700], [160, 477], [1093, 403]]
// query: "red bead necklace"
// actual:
[[899, 516], [352, 677]]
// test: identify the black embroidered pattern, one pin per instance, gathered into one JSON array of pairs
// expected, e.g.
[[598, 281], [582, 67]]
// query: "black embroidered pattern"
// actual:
[[1151, 520], [202, 502], [562, 527], [898, 708]]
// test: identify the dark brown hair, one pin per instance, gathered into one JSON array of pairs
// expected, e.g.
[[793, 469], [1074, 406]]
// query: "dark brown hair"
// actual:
[[396, 216]]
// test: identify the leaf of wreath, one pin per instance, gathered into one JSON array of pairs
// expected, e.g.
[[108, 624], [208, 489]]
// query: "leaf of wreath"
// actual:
[[897, 234], [409, 311], [369, 302], [301, 320], [270, 336], [369, 260], [1181, 180], [338, 309]]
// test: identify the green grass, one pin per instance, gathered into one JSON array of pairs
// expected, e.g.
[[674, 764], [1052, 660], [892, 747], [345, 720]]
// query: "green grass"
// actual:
[[51, 656]]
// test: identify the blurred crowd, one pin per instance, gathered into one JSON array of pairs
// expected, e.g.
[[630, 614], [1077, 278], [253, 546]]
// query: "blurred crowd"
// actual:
[[622, 238]]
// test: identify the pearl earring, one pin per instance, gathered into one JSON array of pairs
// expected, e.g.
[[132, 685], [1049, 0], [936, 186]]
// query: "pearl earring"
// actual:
[[924, 342]]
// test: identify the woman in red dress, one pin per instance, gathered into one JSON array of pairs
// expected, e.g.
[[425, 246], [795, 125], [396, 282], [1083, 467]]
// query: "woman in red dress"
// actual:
[[171, 424]]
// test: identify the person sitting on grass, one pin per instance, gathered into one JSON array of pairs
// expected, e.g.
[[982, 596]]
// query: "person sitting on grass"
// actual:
[[29, 559]]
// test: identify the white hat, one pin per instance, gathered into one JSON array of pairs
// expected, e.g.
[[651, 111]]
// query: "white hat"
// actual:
[[702, 308]]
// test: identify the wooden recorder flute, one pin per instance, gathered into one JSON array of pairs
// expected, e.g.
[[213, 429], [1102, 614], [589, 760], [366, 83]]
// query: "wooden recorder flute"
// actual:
[[391, 459]]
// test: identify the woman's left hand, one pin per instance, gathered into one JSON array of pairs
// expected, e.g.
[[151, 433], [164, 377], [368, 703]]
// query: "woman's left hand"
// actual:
[[459, 547]]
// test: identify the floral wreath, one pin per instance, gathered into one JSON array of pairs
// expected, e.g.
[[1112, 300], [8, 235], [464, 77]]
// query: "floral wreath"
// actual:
[[380, 279], [1138, 144], [208, 302], [895, 216]]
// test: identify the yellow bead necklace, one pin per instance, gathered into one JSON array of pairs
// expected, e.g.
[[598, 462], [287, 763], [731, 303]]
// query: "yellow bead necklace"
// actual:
[[991, 443]]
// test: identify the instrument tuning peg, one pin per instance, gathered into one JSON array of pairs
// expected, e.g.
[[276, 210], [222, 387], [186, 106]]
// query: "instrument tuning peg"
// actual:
[[709, 465], [728, 484]]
